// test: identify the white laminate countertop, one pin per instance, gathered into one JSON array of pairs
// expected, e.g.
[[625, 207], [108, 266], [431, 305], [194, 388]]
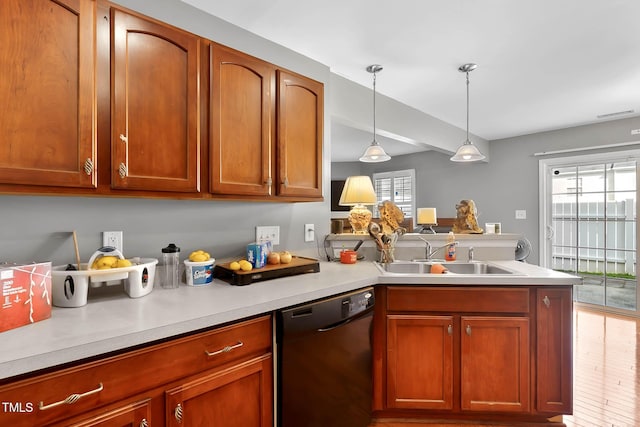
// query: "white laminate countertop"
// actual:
[[112, 321]]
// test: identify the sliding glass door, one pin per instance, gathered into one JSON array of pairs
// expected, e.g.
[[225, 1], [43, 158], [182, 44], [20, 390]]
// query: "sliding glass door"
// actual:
[[588, 219]]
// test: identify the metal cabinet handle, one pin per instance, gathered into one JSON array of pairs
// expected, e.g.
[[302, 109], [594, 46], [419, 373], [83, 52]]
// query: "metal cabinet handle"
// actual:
[[269, 182], [144, 423], [123, 168], [88, 166], [285, 183], [468, 330], [177, 413], [226, 349], [72, 398], [546, 301], [450, 330]]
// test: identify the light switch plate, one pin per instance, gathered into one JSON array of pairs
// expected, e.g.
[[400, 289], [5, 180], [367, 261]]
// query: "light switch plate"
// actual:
[[268, 232], [521, 214], [309, 232]]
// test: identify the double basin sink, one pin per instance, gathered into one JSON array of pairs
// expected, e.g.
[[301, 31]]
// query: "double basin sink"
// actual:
[[424, 267]]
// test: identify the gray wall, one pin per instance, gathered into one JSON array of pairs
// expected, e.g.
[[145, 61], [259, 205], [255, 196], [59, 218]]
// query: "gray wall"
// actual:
[[508, 182], [37, 228]]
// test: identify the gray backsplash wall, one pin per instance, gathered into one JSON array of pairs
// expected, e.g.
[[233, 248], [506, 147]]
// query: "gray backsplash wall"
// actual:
[[37, 228], [507, 183]]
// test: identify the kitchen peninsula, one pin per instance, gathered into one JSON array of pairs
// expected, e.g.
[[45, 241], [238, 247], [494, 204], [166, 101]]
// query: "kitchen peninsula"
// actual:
[[111, 327]]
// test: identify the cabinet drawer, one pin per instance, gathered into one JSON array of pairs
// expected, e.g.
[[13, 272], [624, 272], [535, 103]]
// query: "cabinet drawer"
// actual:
[[459, 299], [45, 398]]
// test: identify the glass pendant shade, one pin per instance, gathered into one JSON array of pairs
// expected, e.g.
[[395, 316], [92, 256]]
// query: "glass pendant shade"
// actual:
[[374, 153], [467, 152]]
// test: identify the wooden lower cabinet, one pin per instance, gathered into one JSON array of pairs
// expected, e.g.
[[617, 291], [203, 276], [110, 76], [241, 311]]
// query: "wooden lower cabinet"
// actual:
[[223, 376], [238, 396], [472, 353]]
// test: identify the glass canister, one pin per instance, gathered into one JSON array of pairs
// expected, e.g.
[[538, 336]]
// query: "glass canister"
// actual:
[[171, 261]]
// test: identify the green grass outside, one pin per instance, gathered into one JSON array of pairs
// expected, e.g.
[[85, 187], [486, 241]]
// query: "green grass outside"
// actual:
[[591, 273]]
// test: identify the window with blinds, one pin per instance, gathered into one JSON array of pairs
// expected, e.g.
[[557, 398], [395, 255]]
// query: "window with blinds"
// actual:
[[398, 187]]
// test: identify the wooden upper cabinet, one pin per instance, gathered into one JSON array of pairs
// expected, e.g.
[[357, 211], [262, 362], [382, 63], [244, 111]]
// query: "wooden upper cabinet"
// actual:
[[242, 123], [47, 86], [155, 106], [300, 130]]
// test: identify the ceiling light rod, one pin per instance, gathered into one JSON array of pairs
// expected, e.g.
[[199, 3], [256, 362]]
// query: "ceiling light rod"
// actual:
[[374, 153], [467, 152], [467, 68]]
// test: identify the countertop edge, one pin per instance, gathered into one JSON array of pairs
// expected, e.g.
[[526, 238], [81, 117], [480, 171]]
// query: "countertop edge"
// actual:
[[75, 334]]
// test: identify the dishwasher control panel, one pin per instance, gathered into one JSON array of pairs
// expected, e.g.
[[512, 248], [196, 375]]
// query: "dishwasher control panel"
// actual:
[[357, 303]]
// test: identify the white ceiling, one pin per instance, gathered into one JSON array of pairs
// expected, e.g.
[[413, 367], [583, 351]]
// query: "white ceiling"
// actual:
[[542, 64]]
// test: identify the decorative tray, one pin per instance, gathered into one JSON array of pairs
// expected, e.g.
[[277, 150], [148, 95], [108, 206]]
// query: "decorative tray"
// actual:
[[298, 265]]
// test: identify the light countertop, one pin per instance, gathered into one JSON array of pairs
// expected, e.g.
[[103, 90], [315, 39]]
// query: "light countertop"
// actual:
[[112, 321]]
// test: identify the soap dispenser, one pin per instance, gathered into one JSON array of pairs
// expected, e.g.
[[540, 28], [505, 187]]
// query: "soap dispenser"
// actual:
[[450, 251]]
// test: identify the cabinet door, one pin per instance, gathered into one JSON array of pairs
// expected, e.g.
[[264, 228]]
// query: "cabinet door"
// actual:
[[47, 90], [239, 396], [242, 123], [137, 414], [554, 355], [299, 148], [155, 106], [419, 362], [495, 364]]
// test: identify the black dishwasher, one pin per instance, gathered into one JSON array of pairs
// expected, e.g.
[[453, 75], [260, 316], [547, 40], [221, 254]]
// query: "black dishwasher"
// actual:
[[324, 362]]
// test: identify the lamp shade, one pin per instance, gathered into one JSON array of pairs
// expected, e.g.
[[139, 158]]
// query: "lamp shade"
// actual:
[[358, 190], [467, 152], [374, 153], [427, 216]]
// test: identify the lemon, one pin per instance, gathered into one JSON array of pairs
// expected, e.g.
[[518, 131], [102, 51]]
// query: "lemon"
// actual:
[[106, 262], [199, 256], [122, 263], [245, 265], [235, 265]]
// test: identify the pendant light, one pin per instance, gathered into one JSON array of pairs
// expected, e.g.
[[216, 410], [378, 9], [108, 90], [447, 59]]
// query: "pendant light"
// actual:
[[467, 152], [374, 153]]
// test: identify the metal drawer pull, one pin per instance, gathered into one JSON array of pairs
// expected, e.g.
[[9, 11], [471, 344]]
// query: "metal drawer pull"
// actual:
[[450, 330], [178, 413], [546, 301], [226, 349], [73, 398], [468, 329]]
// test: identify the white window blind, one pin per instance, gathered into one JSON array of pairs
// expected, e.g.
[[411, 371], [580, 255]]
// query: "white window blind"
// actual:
[[398, 187]]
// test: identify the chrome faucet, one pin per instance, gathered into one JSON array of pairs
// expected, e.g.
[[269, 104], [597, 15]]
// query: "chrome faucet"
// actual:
[[428, 252], [470, 253]]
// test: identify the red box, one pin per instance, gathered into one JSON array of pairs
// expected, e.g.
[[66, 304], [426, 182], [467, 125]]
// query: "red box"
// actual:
[[26, 294]]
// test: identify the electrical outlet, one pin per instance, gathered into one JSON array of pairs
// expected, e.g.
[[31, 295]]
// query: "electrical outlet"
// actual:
[[309, 232], [268, 232], [113, 238], [521, 214]]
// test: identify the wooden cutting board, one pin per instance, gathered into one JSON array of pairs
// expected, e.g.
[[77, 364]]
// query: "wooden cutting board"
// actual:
[[298, 265]]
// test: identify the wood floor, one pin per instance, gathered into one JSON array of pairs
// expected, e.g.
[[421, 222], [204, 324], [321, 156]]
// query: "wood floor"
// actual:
[[606, 380]]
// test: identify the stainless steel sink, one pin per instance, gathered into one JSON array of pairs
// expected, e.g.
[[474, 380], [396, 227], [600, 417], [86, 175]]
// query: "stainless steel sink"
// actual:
[[424, 267]]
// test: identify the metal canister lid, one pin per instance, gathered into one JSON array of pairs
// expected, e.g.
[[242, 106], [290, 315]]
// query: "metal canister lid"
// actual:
[[171, 249]]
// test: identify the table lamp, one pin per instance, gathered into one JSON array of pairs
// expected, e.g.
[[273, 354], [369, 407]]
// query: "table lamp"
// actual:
[[357, 192], [427, 219]]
